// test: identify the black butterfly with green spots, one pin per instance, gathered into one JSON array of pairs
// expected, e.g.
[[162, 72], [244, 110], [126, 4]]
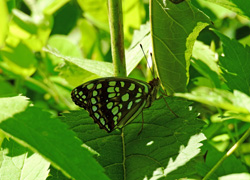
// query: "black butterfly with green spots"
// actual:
[[113, 102]]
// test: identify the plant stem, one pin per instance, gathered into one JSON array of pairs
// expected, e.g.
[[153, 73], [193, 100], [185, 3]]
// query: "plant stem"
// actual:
[[235, 146], [117, 37]]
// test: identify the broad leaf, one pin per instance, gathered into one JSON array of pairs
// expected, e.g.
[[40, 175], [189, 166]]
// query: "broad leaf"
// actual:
[[134, 54], [235, 65], [236, 104], [230, 165], [18, 163], [99, 68], [174, 30], [205, 62], [239, 6], [37, 130], [127, 154]]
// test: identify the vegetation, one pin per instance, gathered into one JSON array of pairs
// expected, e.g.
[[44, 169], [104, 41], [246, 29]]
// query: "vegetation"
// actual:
[[200, 51]]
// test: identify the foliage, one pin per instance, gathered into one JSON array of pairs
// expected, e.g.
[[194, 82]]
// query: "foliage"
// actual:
[[201, 52]]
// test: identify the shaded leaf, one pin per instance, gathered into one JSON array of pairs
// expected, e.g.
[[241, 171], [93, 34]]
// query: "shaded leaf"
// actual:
[[125, 154], [204, 61], [37, 130], [230, 165], [174, 30], [235, 64]]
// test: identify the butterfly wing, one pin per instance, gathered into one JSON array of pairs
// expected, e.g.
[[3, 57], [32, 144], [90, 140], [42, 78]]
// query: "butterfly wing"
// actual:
[[112, 102]]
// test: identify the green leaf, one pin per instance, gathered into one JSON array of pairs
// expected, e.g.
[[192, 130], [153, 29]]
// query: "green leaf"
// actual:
[[133, 16], [238, 6], [11, 106], [90, 43], [23, 21], [65, 46], [230, 165], [6, 88], [134, 54], [3, 22], [18, 59], [126, 155], [52, 7], [96, 12], [69, 71], [236, 104], [19, 164], [98, 68], [174, 30], [204, 61], [33, 31], [235, 66], [235, 176], [37, 130]]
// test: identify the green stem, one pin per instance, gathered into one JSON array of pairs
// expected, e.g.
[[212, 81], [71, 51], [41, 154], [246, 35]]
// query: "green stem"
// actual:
[[117, 37], [235, 146], [124, 154]]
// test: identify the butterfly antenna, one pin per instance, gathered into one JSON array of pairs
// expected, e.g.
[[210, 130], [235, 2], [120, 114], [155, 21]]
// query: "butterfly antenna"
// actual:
[[151, 55], [147, 59]]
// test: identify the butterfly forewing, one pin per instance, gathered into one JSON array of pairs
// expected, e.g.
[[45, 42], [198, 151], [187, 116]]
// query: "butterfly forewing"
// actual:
[[112, 102]]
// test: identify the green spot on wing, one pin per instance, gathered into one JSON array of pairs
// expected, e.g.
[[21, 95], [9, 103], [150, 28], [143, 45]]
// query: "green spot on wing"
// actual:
[[97, 115], [90, 86], [125, 97], [93, 100], [130, 104], [115, 110], [117, 89], [115, 120], [110, 105], [111, 95], [112, 83], [138, 95], [99, 86], [95, 93], [131, 87], [94, 108], [137, 100], [111, 89], [102, 121]]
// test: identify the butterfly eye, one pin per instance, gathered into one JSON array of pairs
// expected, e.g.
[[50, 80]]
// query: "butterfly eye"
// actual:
[[114, 102]]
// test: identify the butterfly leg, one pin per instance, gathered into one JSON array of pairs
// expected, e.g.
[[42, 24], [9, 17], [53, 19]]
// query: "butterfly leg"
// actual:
[[141, 124], [168, 105], [170, 108]]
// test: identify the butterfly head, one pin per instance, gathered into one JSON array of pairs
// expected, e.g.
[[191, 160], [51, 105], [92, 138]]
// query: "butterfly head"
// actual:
[[155, 86]]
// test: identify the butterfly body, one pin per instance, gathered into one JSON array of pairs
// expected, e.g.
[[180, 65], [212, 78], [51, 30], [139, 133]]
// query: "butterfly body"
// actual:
[[113, 102]]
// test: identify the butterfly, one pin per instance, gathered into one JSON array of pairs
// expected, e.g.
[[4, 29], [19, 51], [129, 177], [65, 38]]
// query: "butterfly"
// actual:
[[113, 102]]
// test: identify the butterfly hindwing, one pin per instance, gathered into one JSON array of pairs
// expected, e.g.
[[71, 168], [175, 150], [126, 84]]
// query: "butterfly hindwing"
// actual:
[[112, 102]]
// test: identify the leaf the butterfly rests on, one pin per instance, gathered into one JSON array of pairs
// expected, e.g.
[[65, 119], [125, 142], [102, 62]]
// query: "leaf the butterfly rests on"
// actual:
[[113, 102]]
